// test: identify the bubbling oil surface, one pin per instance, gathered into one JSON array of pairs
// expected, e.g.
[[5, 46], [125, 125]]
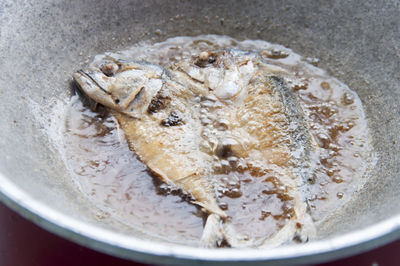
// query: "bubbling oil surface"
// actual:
[[109, 174]]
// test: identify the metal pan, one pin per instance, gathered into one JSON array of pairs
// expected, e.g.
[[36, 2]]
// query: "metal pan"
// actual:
[[42, 43]]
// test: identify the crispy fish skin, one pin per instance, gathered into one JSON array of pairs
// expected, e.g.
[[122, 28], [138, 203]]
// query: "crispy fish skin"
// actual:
[[275, 131], [161, 111], [266, 132], [172, 152]]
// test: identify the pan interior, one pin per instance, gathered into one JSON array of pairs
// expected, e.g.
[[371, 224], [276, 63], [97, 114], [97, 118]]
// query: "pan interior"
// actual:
[[43, 43]]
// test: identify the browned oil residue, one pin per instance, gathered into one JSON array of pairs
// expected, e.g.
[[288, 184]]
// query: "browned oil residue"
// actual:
[[256, 202]]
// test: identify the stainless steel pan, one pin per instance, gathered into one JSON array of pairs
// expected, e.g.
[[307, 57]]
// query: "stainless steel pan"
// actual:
[[42, 43]]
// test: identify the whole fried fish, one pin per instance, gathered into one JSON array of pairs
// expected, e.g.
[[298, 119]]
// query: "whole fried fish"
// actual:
[[218, 114]]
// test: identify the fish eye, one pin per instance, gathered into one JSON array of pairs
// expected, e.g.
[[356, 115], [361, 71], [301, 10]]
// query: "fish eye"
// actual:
[[205, 58], [109, 68]]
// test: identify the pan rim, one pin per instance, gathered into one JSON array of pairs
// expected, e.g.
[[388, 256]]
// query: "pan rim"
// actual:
[[132, 248]]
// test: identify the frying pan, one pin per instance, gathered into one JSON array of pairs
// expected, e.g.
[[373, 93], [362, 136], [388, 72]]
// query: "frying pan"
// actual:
[[43, 42]]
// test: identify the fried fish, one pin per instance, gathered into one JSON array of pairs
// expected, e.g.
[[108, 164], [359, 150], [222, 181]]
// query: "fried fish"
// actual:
[[216, 116]]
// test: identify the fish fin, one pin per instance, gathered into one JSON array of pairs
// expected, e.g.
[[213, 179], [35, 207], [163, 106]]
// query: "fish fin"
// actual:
[[292, 231], [212, 233], [284, 235]]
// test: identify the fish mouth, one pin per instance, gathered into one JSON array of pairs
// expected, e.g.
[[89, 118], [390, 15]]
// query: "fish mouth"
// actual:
[[83, 83]]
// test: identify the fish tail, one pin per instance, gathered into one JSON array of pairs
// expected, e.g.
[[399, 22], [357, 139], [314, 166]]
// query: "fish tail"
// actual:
[[284, 235], [212, 233], [308, 229]]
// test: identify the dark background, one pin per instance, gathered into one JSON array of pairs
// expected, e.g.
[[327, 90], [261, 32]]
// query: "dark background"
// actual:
[[22, 243]]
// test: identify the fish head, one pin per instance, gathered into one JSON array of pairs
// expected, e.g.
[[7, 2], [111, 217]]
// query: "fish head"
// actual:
[[224, 72], [123, 86]]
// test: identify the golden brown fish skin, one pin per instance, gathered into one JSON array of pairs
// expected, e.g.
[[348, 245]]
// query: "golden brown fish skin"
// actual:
[[270, 116], [188, 172], [263, 129], [172, 151]]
